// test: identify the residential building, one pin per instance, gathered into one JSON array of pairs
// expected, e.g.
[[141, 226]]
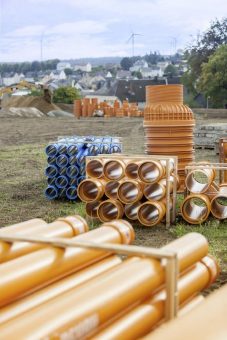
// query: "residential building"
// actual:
[[151, 72], [84, 67], [62, 65], [138, 65]]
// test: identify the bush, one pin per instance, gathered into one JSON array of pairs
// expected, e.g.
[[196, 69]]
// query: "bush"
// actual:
[[66, 95]]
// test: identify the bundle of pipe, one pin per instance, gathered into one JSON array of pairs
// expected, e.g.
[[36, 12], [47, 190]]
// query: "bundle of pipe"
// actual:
[[204, 195], [200, 323], [136, 188], [168, 125], [105, 300], [66, 162], [86, 107]]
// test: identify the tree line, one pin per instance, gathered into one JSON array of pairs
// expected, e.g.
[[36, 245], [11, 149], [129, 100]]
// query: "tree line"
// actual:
[[24, 67]]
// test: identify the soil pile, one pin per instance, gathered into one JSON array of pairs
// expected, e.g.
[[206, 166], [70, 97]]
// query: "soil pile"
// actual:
[[29, 101]]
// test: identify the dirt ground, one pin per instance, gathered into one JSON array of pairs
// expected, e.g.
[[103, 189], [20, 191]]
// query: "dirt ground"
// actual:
[[22, 181]]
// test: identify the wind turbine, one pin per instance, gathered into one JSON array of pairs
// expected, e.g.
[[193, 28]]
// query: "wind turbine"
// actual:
[[132, 37]]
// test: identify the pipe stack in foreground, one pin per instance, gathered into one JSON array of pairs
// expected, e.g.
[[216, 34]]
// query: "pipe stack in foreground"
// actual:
[[204, 195], [76, 293], [66, 162], [138, 187], [168, 125]]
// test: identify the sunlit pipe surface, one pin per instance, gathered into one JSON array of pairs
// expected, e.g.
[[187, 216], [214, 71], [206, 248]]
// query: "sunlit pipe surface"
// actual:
[[43, 295], [130, 191], [219, 204], [63, 227], [91, 190], [200, 323], [195, 208], [38, 269], [68, 312], [151, 213], [145, 316], [109, 210], [94, 168]]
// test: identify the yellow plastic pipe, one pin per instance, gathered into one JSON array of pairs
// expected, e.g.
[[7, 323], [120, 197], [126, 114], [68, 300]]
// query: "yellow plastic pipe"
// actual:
[[190, 304], [81, 310], [24, 227], [142, 318], [207, 321], [43, 295], [38, 269], [63, 227]]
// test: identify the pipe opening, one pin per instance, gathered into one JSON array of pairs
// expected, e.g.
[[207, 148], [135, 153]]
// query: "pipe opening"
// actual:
[[219, 207], [111, 189], [51, 171], [94, 169], [149, 214], [72, 171], [62, 161], [131, 210], [150, 172], [71, 193], [195, 209], [108, 211], [128, 192], [88, 191], [51, 150], [198, 181], [154, 192], [113, 170], [61, 182], [51, 192], [131, 170], [92, 209]]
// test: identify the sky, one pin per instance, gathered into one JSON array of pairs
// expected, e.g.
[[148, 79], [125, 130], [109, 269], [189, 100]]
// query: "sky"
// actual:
[[71, 29]]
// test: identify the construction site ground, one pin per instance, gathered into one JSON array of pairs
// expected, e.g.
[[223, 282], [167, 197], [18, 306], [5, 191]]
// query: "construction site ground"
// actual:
[[22, 180]]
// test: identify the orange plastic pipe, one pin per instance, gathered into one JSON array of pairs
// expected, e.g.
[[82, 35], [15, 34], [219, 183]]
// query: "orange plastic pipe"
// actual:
[[63, 227], [111, 188], [91, 190], [23, 227], [38, 269], [92, 208], [142, 318], [109, 210], [151, 171], [94, 168], [130, 191], [131, 210], [43, 295], [195, 178], [155, 191], [114, 169], [195, 208], [207, 321], [84, 309], [151, 213], [219, 204]]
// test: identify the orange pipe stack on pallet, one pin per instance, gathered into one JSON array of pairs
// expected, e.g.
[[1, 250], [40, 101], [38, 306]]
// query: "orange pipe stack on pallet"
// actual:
[[87, 303], [168, 125], [77, 108], [133, 186]]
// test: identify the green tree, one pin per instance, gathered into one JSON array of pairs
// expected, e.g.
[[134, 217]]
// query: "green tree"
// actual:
[[213, 80], [68, 71], [171, 71], [200, 51], [66, 95], [126, 63], [137, 74]]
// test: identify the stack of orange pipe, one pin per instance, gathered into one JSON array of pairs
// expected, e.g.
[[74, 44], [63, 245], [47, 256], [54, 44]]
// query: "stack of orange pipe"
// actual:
[[57, 294], [168, 125], [86, 107], [136, 188], [204, 195]]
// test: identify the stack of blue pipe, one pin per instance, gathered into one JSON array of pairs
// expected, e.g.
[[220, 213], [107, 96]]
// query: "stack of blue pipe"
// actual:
[[66, 160]]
